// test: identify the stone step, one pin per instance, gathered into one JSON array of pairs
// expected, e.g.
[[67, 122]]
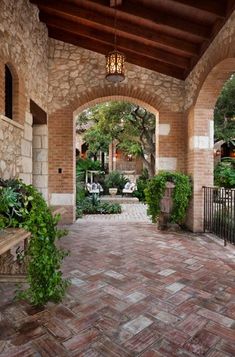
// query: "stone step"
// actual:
[[119, 199]]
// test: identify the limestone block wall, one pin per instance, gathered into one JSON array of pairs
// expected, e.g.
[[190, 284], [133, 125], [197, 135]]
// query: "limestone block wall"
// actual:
[[26, 150], [11, 134], [24, 44], [24, 49], [40, 159]]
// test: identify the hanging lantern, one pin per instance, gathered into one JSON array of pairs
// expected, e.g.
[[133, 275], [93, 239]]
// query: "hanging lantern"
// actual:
[[115, 61]]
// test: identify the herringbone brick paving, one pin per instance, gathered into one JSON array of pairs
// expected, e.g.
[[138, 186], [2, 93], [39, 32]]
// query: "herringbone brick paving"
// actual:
[[135, 292]]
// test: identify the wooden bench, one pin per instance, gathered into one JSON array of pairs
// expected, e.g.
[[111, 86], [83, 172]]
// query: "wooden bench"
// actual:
[[11, 269]]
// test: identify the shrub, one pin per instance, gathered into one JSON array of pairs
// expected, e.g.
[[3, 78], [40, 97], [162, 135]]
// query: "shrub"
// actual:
[[181, 195], [141, 184], [82, 165], [92, 205], [224, 173], [80, 196], [117, 180], [23, 206]]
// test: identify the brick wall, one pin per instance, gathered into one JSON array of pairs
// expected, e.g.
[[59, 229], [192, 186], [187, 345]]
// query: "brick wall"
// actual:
[[76, 81], [61, 155]]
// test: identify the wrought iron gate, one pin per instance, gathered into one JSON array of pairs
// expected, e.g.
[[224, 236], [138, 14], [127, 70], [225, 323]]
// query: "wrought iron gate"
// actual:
[[219, 212]]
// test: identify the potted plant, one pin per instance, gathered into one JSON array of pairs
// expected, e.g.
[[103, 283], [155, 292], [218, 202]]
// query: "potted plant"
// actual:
[[115, 182]]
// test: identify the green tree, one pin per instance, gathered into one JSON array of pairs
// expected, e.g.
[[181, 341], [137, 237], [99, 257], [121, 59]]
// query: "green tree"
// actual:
[[97, 141], [132, 126], [224, 113]]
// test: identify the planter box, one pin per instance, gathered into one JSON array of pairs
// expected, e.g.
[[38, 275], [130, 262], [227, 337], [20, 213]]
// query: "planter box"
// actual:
[[113, 191]]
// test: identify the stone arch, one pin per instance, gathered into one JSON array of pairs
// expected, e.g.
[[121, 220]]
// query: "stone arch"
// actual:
[[62, 148], [125, 98], [201, 135], [118, 92], [209, 91]]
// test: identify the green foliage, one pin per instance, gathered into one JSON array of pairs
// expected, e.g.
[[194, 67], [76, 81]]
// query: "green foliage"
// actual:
[[23, 206], [141, 184], [224, 173], [97, 141], [82, 165], [87, 164], [116, 180], [93, 205], [224, 113], [131, 126], [80, 197], [181, 195]]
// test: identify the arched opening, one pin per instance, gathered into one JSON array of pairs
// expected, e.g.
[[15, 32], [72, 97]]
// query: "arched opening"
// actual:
[[62, 148], [8, 93], [118, 145], [201, 137], [119, 153]]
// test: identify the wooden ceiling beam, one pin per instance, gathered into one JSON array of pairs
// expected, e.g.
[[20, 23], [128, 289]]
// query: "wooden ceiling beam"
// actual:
[[156, 17], [213, 7], [71, 11], [123, 43], [102, 48]]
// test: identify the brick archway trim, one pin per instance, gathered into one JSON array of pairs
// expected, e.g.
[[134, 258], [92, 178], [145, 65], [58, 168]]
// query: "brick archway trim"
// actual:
[[126, 93], [213, 84]]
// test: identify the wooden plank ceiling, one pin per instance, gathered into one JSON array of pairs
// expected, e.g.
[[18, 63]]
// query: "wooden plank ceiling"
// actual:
[[167, 36]]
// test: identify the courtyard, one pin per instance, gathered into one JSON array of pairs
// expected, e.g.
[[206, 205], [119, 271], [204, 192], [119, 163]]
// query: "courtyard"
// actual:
[[135, 292]]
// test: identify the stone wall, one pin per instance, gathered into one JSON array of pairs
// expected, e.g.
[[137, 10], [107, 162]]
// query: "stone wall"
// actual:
[[11, 134], [40, 159], [26, 150], [75, 72], [24, 49], [24, 44], [222, 47]]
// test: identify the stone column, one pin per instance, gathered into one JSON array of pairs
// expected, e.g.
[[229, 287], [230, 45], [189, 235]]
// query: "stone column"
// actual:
[[40, 159], [200, 163], [26, 150]]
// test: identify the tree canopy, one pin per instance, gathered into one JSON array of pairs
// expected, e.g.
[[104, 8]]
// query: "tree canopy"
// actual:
[[224, 113], [132, 126]]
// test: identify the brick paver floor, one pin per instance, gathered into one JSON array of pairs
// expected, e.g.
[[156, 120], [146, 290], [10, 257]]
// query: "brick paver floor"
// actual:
[[135, 292], [134, 212]]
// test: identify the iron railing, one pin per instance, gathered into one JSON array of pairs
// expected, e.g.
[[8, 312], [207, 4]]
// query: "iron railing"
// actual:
[[219, 212]]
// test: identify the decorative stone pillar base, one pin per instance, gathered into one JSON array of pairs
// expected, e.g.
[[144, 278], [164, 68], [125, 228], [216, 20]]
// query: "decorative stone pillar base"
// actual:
[[69, 216], [67, 201]]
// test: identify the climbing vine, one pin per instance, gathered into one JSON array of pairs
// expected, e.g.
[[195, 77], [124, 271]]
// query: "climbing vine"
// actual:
[[23, 206], [181, 195]]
